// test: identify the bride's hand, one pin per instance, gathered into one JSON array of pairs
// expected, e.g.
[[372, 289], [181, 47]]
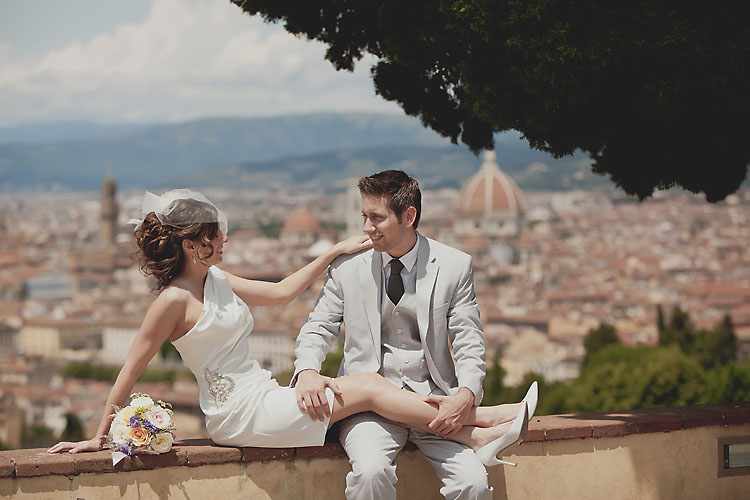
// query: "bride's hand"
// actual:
[[353, 244], [93, 444], [331, 383]]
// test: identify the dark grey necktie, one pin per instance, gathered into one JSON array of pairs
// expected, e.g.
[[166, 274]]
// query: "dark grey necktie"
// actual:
[[395, 284]]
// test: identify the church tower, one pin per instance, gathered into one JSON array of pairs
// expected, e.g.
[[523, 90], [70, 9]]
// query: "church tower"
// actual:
[[353, 208], [109, 213]]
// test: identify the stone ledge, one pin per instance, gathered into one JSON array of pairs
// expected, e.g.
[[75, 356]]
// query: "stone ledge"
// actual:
[[623, 423], [197, 452]]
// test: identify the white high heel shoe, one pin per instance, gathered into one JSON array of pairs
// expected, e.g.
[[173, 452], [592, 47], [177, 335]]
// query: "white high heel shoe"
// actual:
[[531, 398], [488, 454]]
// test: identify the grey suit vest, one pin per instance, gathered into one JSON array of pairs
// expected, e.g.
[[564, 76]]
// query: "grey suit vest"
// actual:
[[403, 361]]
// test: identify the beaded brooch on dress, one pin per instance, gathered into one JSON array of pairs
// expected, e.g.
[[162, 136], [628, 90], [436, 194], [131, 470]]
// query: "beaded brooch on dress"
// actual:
[[219, 385]]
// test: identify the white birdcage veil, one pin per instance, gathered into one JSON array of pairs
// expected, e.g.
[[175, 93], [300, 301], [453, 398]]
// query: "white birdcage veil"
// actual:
[[170, 212]]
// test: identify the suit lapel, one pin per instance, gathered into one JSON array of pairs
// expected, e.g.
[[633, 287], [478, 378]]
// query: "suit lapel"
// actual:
[[370, 277], [427, 270]]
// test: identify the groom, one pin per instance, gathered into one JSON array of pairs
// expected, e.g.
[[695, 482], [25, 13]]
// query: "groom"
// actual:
[[411, 315]]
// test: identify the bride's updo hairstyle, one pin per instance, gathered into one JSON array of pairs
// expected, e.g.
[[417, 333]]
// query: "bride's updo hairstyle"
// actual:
[[160, 252]]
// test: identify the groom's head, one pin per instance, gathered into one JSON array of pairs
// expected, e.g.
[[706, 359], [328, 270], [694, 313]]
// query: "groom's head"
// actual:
[[391, 207]]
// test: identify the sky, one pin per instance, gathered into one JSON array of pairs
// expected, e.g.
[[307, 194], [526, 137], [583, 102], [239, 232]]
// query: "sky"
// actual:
[[163, 61]]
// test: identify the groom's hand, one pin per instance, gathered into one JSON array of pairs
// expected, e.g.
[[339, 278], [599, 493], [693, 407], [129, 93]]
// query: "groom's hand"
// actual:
[[453, 412], [311, 394]]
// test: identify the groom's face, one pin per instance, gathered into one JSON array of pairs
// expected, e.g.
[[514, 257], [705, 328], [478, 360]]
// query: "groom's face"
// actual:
[[382, 225]]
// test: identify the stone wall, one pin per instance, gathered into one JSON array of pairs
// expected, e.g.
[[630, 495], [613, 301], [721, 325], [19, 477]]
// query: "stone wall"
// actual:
[[662, 453]]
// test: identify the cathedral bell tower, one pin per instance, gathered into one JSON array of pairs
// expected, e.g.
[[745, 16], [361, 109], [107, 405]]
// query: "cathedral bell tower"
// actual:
[[109, 213]]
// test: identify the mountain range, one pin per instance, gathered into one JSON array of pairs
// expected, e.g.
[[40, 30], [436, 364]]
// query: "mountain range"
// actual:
[[316, 151]]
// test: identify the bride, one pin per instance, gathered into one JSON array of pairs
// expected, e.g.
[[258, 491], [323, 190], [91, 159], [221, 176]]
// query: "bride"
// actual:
[[203, 311]]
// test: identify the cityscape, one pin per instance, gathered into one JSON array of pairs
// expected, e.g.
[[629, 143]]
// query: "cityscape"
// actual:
[[549, 266], [591, 159]]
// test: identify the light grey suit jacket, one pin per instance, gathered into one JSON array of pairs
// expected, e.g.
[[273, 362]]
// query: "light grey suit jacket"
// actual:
[[447, 315]]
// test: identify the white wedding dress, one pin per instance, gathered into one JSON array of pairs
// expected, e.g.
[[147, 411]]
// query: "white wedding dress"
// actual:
[[243, 405]]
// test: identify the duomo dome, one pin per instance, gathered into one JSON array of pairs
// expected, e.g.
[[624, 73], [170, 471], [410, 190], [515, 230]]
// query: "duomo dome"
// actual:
[[490, 191], [300, 228], [492, 207]]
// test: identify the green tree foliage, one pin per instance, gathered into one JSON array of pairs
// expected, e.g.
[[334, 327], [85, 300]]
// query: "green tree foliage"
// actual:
[[73, 428], [718, 346], [493, 382], [679, 331], [88, 371], [621, 377], [37, 436], [270, 229], [654, 92], [709, 347], [153, 375], [599, 338], [553, 399], [330, 366], [693, 367], [495, 392], [728, 383], [660, 323], [727, 343], [169, 351]]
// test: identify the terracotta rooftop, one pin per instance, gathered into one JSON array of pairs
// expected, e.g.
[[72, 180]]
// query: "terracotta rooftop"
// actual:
[[59, 323], [300, 221]]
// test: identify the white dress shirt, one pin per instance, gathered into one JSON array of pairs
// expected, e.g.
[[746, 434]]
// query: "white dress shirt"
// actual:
[[409, 259]]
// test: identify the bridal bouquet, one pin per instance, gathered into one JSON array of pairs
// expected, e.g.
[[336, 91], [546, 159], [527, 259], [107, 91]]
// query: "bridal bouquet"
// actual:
[[142, 426]]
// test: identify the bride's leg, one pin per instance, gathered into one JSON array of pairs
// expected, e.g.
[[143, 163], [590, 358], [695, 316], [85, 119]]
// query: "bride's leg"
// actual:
[[371, 392], [489, 416], [371, 389]]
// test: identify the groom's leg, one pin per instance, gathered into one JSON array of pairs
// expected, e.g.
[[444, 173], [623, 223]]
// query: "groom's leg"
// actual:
[[372, 443], [461, 473]]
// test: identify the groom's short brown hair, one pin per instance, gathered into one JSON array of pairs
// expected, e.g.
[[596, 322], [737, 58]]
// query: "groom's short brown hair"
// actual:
[[399, 190]]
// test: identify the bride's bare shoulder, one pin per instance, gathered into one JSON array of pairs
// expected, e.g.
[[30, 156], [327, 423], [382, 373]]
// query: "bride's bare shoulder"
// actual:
[[173, 295]]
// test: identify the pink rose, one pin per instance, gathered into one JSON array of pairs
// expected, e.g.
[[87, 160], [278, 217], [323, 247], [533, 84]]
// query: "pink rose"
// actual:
[[158, 417]]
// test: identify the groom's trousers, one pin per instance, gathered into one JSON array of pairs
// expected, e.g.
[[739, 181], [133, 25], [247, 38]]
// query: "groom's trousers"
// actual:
[[372, 443]]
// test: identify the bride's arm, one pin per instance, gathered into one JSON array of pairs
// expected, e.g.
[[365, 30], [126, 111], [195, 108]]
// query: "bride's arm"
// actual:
[[160, 321], [264, 293]]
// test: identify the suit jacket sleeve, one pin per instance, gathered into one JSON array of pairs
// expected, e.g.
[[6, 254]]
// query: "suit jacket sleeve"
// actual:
[[321, 329], [466, 335]]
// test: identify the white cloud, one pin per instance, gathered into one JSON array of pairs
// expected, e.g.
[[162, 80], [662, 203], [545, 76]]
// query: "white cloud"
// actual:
[[185, 60]]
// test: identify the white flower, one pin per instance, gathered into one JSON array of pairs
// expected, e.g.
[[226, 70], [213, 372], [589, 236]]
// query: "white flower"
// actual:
[[162, 442], [119, 434], [159, 417], [123, 416], [144, 402]]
